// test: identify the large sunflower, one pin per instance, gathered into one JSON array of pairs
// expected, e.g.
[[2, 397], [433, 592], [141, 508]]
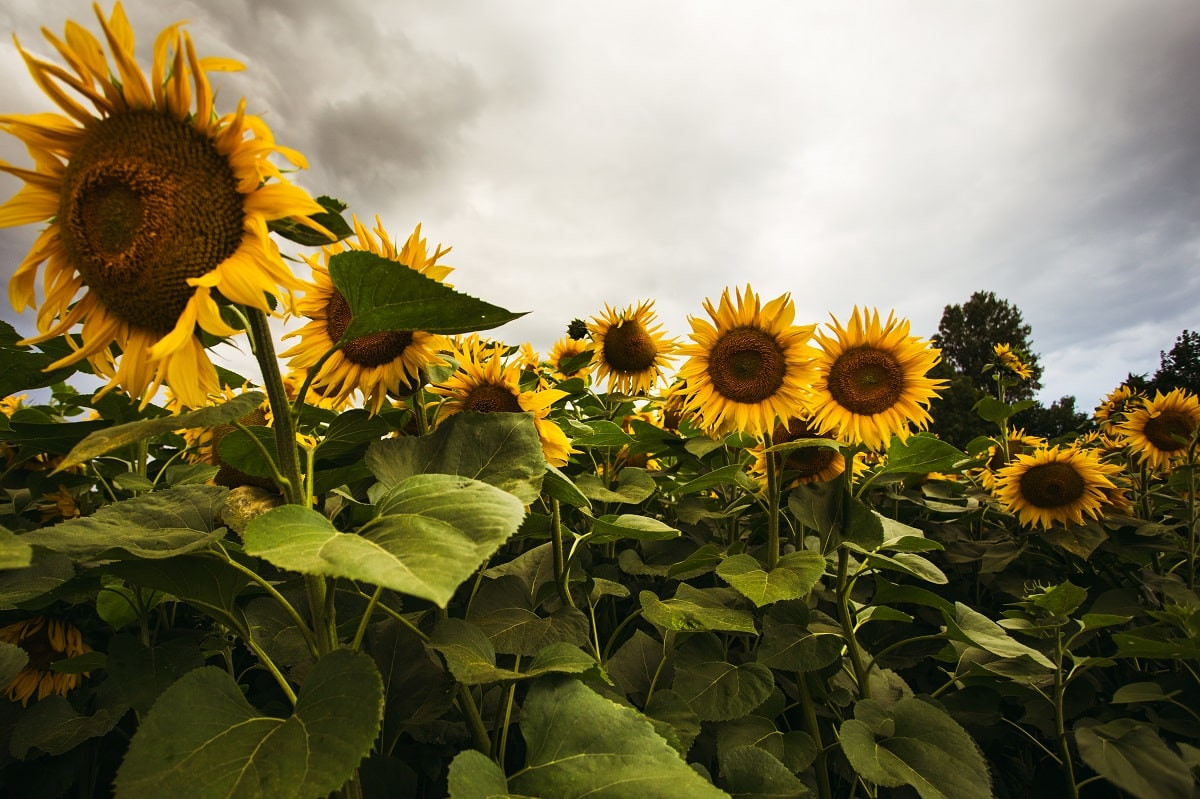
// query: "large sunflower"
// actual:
[[1159, 430], [630, 349], [485, 384], [376, 363], [871, 381], [45, 641], [1056, 485], [154, 208], [747, 368]]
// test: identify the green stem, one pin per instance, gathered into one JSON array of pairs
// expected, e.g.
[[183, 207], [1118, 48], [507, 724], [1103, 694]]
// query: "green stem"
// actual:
[[276, 475], [512, 695], [466, 706], [361, 632], [1191, 473], [284, 423], [270, 666], [287, 607], [814, 732], [772, 506], [1064, 744], [298, 403], [418, 406], [562, 577], [843, 602]]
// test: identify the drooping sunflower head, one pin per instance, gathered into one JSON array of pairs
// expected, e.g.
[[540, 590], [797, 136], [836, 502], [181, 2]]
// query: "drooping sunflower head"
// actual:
[[1011, 362], [871, 380], [156, 206], [1056, 484], [630, 349], [1160, 429], [749, 366], [377, 363], [815, 464], [1112, 410], [484, 383], [567, 358], [45, 641]]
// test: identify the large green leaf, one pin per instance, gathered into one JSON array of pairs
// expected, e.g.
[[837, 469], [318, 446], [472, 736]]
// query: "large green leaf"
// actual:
[[12, 660], [582, 745], [207, 583], [920, 454], [141, 673], [1130, 755], [385, 296], [629, 525], [474, 775], [694, 609], [716, 689], [23, 367], [14, 552], [111, 438], [472, 660], [503, 610], [915, 743], [792, 578], [158, 525], [732, 474], [438, 529], [750, 772], [634, 486], [501, 449], [972, 627], [203, 739], [53, 726], [46, 572]]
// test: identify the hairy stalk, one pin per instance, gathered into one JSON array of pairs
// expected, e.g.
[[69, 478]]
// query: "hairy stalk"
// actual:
[[843, 601], [284, 423], [466, 706], [814, 732], [561, 575], [361, 632], [772, 505], [270, 666], [1064, 744]]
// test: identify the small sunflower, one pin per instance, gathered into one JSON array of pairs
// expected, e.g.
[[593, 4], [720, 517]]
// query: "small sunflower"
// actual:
[[1019, 443], [11, 404], [1112, 410], [154, 207], [630, 349], [377, 363], [1160, 429], [45, 641], [58, 504], [485, 384], [565, 358], [799, 466], [871, 381], [1010, 361], [749, 367], [1056, 485]]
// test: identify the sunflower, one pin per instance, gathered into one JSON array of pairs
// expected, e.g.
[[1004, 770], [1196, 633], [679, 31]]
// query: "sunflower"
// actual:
[[154, 209], [1019, 443], [749, 367], [815, 464], [871, 381], [1113, 409], [11, 404], [630, 349], [1010, 361], [485, 384], [1056, 484], [565, 358], [1160, 430], [45, 641], [376, 363]]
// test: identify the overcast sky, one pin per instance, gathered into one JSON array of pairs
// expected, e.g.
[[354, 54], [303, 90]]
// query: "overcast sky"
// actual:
[[892, 154]]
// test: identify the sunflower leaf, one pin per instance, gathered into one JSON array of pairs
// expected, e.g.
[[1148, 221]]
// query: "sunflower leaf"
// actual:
[[331, 219], [793, 577], [103, 441], [438, 529], [385, 297], [14, 553], [202, 738]]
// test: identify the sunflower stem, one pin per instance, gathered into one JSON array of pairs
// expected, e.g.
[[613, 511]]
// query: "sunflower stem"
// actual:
[[298, 403], [284, 422], [772, 506], [562, 577], [843, 601], [814, 732]]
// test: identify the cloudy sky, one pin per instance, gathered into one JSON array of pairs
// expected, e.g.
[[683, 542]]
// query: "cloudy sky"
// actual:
[[891, 154]]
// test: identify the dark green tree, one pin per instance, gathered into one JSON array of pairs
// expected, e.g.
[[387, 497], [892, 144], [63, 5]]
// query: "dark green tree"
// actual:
[[968, 332], [1060, 419], [1179, 368]]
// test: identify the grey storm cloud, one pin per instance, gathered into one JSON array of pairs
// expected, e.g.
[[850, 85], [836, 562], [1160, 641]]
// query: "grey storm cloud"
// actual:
[[894, 154]]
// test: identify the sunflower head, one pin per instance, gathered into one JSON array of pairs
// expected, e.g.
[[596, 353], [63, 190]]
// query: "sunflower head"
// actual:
[[1056, 485], [1160, 430], [815, 464], [747, 365], [630, 349], [566, 358], [375, 364], [871, 380], [156, 205], [45, 641], [1009, 362], [1112, 410], [484, 383]]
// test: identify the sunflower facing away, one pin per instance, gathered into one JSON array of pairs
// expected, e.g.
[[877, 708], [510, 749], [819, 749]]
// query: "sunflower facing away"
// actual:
[[485, 384], [1058, 484], [630, 349], [814, 464], [564, 353], [871, 381], [155, 206], [749, 367], [45, 641], [1159, 430], [1010, 361], [376, 363]]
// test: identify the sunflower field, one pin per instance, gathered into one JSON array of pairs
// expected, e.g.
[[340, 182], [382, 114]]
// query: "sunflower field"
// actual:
[[410, 559]]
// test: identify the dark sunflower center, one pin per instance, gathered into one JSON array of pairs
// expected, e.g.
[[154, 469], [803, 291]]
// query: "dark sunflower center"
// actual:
[[628, 347], [866, 381], [373, 349], [148, 202], [1163, 429], [491, 398], [747, 365], [807, 461], [1051, 485], [41, 652]]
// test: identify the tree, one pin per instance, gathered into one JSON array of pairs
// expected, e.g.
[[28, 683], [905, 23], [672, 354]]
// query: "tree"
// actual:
[[1179, 368], [1059, 419], [968, 332]]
